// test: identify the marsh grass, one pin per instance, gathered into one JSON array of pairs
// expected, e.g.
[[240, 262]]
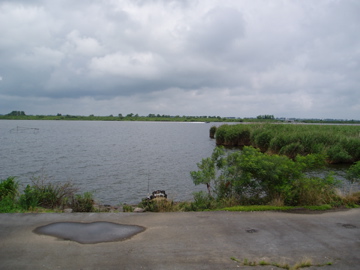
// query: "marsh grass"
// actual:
[[340, 143]]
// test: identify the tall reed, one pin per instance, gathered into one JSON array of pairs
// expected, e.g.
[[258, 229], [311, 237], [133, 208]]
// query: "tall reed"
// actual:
[[341, 143]]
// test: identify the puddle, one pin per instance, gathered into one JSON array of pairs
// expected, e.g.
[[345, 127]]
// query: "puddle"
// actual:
[[90, 233]]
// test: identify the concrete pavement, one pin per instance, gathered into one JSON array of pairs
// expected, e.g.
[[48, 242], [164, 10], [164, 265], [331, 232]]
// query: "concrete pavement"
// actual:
[[191, 240]]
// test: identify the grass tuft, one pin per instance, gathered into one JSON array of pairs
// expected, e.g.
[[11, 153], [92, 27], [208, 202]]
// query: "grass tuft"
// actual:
[[304, 263]]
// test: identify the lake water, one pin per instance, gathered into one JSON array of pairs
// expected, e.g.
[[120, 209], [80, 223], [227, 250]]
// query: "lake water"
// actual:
[[117, 161]]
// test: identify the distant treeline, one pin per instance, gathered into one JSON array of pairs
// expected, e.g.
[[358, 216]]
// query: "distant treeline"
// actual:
[[21, 115], [129, 117], [339, 143]]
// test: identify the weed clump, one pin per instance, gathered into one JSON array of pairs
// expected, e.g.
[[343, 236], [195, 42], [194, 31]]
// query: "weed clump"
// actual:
[[41, 194], [82, 203]]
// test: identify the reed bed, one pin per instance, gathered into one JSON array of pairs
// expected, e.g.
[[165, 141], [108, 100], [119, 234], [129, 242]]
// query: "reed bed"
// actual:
[[340, 143]]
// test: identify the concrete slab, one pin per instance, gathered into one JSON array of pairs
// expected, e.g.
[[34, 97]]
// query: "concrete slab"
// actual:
[[192, 240]]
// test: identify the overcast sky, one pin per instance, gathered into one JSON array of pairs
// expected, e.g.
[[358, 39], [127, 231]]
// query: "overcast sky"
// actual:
[[243, 58]]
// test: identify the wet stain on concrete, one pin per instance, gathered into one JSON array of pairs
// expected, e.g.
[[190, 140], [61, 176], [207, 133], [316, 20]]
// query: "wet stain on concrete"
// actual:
[[251, 230], [347, 226], [90, 233]]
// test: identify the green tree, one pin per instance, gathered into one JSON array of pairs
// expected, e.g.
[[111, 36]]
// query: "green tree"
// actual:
[[206, 174], [17, 113]]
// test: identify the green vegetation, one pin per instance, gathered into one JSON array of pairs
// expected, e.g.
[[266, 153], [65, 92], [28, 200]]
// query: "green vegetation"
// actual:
[[82, 203], [250, 177], [127, 208], [42, 196], [212, 132], [255, 208], [340, 143], [17, 113], [162, 205], [304, 263]]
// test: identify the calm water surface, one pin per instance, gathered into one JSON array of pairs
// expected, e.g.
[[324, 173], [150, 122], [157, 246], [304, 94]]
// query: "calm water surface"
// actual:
[[114, 160], [117, 161]]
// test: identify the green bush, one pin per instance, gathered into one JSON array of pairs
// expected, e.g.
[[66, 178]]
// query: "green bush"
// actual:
[[42, 193], [9, 188], [292, 150], [9, 205], [353, 173], [157, 205], [314, 191], [202, 201], [338, 154], [128, 208], [262, 140], [253, 177], [82, 203], [8, 195], [30, 199]]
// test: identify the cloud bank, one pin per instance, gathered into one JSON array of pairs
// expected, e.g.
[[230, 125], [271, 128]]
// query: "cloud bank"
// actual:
[[228, 58]]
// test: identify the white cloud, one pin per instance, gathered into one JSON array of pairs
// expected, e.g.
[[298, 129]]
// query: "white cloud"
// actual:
[[135, 65], [39, 57], [240, 58], [82, 45]]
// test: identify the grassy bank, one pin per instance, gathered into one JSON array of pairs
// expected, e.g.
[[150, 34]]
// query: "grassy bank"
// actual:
[[340, 143]]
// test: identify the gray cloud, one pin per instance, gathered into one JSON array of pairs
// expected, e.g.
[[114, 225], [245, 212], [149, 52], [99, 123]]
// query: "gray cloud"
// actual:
[[234, 58]]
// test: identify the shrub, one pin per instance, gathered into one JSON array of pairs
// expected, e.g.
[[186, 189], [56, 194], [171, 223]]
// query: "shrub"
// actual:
[[157, 205], [314, 191], [8, 205], [353, 173], [253, 177], [262, 141], [292, 150], [127, 208], [45, 194], [82, 203], [9, 188], [29, 199], [202, 201], [352, 199], [337, 154]]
